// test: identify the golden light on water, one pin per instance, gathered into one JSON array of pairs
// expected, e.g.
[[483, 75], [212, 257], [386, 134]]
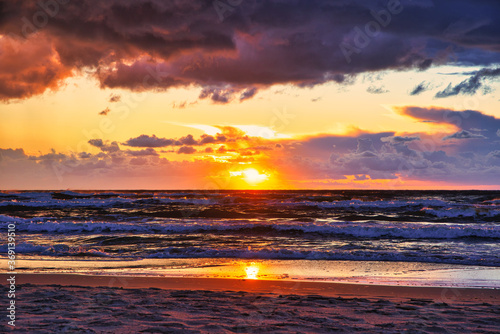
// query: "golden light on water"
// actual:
[[252, 271]]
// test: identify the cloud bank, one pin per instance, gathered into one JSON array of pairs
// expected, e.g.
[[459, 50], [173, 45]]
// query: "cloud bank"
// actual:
[[465, 152], [154, 45]]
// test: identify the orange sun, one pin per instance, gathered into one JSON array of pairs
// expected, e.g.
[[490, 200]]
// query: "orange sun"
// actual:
[[252, 271], [251, 175]]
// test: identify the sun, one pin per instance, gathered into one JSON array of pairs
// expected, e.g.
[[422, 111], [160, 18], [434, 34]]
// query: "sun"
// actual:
[[252, 271], [251, 175]]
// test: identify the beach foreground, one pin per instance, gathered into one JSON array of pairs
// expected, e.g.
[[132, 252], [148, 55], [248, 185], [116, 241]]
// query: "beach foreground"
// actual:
[[48, 303]]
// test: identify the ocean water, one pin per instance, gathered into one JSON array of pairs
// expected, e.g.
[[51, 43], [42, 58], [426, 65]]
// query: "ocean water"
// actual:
[[439, 227]]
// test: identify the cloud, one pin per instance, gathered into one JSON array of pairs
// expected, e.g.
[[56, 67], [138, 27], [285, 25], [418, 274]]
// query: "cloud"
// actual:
[[153, 141], [84, 155], [13, 154], [208, 139], [181, 105], [458, 125], [464, 134], [113, 147], [29, 68], [465, 120], [141, 75], [146, 152], [186, 150], [376, 90], [399, 139], [471, 85], [115, 98], [105, 111], [154, 45], [248, 93], [148, 141], [218, 95], [494, 154], [420, 88], [96, 142], [55, 170], [138, 161], [355, 157], [48, 157], [105, 146]]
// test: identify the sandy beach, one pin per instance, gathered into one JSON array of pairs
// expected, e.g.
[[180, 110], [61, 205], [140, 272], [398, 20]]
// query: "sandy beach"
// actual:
[[68, 303]]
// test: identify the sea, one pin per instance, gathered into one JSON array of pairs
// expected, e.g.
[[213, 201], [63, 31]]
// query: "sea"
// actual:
[[423, 237]]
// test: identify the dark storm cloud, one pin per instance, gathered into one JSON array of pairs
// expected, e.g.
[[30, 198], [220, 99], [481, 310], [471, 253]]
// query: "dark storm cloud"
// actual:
[[153, 44]]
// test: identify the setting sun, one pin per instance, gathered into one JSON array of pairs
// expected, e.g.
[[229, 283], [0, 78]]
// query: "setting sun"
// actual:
[[252, 271], [251, 175]]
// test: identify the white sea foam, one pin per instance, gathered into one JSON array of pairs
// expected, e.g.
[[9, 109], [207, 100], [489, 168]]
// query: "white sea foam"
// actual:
[[320, 227]]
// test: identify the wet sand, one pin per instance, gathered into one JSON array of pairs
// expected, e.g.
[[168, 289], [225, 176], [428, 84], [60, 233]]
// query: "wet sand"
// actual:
[[48, 303]]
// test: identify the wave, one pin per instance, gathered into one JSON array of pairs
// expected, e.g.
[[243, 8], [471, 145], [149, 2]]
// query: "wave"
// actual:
[[55, 250], [319, 228], [384, 204], [100, 202], [62, 250], [469, 212], [285, 254], [237, 205], [217, 206]]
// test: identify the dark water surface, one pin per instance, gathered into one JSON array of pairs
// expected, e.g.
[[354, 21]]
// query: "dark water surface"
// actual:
[[451, 227]]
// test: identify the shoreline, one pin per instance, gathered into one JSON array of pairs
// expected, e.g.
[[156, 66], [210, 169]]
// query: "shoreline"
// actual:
[[281, 287], [414, 274], [69, 303]]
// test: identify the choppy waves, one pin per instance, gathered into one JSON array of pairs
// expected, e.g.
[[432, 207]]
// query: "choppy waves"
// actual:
[[426, 226], [367, 230]]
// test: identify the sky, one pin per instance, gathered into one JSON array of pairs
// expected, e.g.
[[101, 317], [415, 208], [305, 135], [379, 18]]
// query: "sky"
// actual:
[[249, 94]]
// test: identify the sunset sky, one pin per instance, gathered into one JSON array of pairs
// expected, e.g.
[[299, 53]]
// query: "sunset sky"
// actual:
[[192, 94]]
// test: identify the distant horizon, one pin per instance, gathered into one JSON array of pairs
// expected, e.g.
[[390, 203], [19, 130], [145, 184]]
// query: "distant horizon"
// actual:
[[249, 189]]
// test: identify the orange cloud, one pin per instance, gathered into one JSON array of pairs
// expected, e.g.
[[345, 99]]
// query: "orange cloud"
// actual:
[[29, 67]]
